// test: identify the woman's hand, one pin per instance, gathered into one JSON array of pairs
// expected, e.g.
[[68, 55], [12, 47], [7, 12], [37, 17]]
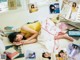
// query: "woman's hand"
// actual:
[[23, 42], [17, 43], [28, 41]]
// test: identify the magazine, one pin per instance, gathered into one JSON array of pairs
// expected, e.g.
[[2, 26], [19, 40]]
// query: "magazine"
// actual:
[[78, 15], [66, 10]]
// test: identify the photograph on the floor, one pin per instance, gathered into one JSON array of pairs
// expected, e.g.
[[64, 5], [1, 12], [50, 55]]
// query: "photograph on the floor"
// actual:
[[30, 54], [12, 4], [32, 7], [74, 9], [54, 8], [61, 55], [66, 10]]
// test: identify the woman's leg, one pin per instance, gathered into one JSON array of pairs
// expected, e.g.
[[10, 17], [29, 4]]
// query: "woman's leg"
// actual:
[[64, 36]]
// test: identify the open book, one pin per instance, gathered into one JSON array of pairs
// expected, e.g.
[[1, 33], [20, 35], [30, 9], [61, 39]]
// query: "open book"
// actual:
[[11, 53]]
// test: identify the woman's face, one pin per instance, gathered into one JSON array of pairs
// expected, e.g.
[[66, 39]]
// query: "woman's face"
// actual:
[[52, 7], [18, 37], [47, 54], [74, 5], [32, 6], [61, 54]]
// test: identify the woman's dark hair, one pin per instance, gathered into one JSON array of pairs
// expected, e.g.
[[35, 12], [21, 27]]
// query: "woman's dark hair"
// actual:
[[32, 6], [60, 52], [52, 10], [12, 36], [75, 46], [45, 57], [74, 4]]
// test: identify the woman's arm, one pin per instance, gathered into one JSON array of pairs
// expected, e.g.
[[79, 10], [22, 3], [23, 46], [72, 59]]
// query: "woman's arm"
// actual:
[[29, 41], [33, 32], [57, 58]]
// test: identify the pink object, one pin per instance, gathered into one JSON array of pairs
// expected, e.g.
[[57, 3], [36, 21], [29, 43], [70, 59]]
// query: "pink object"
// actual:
[[63, 26]]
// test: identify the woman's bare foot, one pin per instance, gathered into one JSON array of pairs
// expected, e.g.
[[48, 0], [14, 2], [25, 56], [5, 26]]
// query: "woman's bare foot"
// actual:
[[64, 36]]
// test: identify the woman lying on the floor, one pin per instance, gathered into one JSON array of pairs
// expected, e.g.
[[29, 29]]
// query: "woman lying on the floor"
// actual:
[[27, 34]]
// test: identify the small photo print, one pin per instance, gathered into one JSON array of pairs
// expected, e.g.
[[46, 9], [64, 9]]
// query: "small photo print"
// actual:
[[30, 54], [12, 4], [61, 55], [33, 7], [54, 8], [3, 56]]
